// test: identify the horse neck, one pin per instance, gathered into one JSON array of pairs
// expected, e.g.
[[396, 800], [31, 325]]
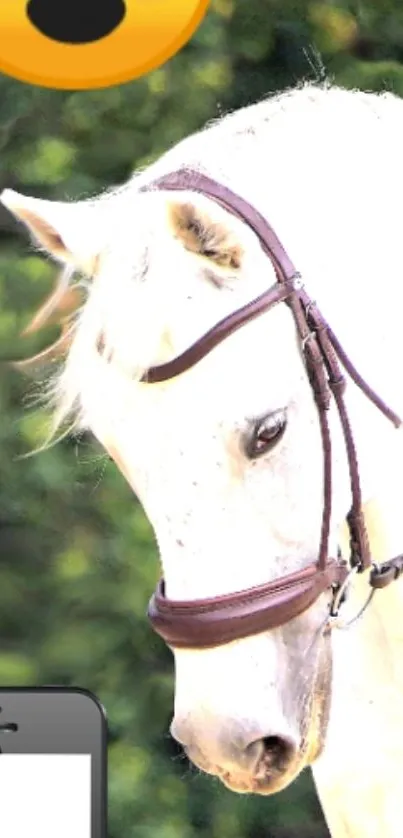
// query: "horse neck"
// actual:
[[358, 777]]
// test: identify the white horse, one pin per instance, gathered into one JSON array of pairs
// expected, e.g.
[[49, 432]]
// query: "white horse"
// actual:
[[324, 166]]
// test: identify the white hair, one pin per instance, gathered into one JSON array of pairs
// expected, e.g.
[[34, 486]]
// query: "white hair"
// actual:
[[285, 154]]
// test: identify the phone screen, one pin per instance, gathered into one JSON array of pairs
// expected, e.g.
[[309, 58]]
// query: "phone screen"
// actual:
[[52, 764], [45, 795]]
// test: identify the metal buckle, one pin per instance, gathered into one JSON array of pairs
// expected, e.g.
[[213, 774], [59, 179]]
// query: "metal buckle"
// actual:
[[297, 281], [340, 593], [339, 598]]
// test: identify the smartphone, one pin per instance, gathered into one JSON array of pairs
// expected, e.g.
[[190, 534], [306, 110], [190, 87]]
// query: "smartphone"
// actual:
[[53, 763]]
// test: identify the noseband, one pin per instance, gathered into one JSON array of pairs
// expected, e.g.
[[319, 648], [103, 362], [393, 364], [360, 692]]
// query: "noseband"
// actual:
[[211, 622]]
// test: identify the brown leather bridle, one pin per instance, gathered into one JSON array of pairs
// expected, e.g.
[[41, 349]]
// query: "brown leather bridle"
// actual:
[[211, 622]]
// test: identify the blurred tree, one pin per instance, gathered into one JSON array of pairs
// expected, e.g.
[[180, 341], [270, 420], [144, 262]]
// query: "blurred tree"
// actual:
[[77, 556]]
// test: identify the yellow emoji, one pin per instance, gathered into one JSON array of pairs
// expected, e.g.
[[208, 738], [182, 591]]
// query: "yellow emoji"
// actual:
[[86, 44]]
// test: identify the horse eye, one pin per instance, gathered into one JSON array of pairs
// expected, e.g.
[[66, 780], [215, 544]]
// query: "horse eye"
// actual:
[[266, 433]]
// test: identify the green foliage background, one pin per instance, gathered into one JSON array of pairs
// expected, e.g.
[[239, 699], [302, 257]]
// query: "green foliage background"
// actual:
[[77, 558]]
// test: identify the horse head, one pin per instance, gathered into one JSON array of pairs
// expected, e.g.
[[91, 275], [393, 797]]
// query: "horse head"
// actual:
[[226, 457]]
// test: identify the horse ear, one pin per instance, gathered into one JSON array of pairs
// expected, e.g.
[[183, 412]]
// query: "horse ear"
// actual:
[[205, 235], [65, 231]]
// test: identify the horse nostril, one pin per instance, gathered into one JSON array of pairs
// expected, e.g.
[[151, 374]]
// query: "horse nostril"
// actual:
[[277, 753], [231, 752], [268, 755]]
